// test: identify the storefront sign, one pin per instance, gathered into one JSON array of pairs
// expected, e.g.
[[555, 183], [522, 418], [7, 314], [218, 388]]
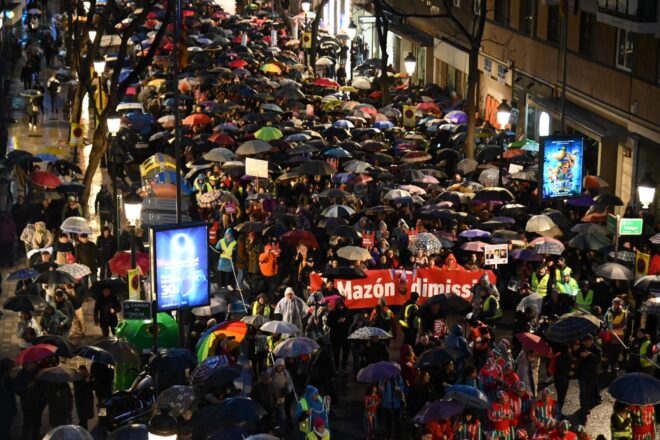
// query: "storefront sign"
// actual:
[[180, 266], [560, 172], [396, 285], [140, 310]]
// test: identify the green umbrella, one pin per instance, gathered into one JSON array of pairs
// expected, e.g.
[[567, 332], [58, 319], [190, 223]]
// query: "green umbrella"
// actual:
[[268, 133], [139, 333]]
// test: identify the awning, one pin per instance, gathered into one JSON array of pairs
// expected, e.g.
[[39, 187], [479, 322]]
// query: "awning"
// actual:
[[583, 119], [405, 30]]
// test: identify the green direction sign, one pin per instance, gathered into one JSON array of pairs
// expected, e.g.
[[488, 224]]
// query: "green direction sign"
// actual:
[[631, 226], [611, 223], [137, 310]]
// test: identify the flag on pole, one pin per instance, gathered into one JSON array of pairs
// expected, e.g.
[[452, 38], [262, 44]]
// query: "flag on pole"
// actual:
[[642, 261]]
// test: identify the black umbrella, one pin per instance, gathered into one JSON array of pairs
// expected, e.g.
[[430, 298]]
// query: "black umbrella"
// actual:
[[489, 153], [25, 303], [54, 277], [174, 359], [130, 432], [64, 166], [117, 287], [250, 227], [572, 326], [95, 354], [276, 230], [636, 389], [345, 231], [448, 303], [344, 273], [608, 200], [438, 356], [119, 348], [72, 187], [219, 377], [65, 348], [316, 168]]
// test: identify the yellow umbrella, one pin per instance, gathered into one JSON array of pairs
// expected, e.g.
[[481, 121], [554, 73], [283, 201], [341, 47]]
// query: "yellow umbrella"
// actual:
[[271, 68], [157, 82], [348, 89]]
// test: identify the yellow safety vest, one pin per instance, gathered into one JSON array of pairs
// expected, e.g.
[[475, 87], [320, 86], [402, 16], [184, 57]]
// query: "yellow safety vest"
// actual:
[[406, 316], [540, 286], [314, 436], [618, 322], [304, 426], [227, 250], [584, 301], [255, 307], [498, 310], [644, 362], [625, 434]]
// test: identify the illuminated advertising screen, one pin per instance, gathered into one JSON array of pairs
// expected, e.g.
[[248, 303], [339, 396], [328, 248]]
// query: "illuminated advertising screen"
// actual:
[[180, 266], [561, 160]]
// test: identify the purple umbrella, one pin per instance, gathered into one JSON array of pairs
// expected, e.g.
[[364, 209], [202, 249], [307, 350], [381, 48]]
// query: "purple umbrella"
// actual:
[[525, 255], [506, 220], [439, 410], [474, 233], [456, 117], [343, 177], [378, 371], [582, 202]]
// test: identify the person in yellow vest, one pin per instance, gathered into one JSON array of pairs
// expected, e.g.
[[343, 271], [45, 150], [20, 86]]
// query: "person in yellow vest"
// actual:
[[490, 312], [616, 320], [319, 432], [561, 268], [309, 407], [260, 306], [641, 353], [621, 422], [567, 283], [584, 299], [410, 320], [227, 248], [271, 341], [540, 280]]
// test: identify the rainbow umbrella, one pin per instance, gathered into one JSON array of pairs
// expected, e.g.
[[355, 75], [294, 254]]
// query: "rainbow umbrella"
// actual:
[[210, 339], [271, 68]]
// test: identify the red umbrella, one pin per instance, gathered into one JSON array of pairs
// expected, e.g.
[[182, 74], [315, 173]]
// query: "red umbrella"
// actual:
[[297, 236], [120, 264], [188, 13], [197, 119], [326, 82], [238, 63], [510, 154], [44, 178], [534, 343], [221, 139], [592, 182], [430, 107], [594, 217], [36, 353]]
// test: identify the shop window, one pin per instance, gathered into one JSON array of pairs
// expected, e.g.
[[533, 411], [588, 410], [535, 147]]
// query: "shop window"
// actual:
[[625, 46], [587, 34], [501, 12], [554, 23], [527, 20]]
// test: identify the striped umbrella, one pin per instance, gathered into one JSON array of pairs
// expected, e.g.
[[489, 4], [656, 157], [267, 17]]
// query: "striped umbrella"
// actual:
[[572, 326], [547, 246], [337, 211], [209, 340], [295, 347], [209, 199]]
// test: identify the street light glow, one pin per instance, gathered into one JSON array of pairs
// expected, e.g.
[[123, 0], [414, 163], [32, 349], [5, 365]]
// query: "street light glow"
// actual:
[[305, 5], [503, 114], [410, 63], [646, 191], [114, 123]]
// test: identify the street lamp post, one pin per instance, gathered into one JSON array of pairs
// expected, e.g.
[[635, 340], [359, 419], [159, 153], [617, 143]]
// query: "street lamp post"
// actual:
[[306, 6], [163, 427], [113, 122], [503, 114], [410, 64], [132, 210]]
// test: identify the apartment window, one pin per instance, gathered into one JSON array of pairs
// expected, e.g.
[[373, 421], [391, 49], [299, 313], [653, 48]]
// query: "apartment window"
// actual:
[[587, 34], [625, 46], [554, 22], [527, 17], [476, 7], [501, 12]]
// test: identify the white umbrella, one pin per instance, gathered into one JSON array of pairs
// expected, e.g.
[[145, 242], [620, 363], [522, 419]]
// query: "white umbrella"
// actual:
[[539, 223], [219, 154], [396, 194], [357, 166], [281, 327], [76, 270], [76, 225], [324, 61], [354, 253], [361, 83]]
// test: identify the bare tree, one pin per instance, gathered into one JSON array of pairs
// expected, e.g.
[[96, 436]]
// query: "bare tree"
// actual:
[[313, 51]]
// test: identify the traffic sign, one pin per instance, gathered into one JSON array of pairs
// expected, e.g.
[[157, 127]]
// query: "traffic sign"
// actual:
[[631, 226], [140, 310]]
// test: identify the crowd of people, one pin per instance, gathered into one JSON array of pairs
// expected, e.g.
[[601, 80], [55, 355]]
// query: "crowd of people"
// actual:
[[350, 192]]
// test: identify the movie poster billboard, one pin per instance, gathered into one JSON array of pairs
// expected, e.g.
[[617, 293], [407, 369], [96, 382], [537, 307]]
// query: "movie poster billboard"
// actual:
[[180, 266], [561, 160]]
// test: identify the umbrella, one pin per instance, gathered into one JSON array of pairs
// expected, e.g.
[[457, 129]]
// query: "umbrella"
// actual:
[[316, 168], [354, 253], [494, 194], [525, 255], [131, 432], [636, 389], [215, 372], [54, 277], [95, 354], [589, 242], [337, 211], [76, 225], [466, 166], [296, 236], [625, 256], [120, 264], [439, 410], [590, 228], [25, 303], [344, 273], [649, 284], [268, 134], [572, 326], [241, 409], [255, 320], [534, 343], [473, 246], [22, 274], [76, 270], [295, 347], [56, 374], [117, 287], [217, 305], [219, 155], [370, 332], [474, 233], [468, 396], [177, 398], [539, 223], [281, 327], [608, 200], [614, 271], [209, 340], [35, 353], [547, 246], [255, 146], [65, 347], [68, 432], [438, 356], [651, 306], [174, 359], [533, 300], [46, 179], [378, 371], [426, 242], [120, 350], [197, 119]]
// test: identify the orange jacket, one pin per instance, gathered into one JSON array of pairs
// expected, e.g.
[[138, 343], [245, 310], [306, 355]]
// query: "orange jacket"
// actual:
[[268, 261]]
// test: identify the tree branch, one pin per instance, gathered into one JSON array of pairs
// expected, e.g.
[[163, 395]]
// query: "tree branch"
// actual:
[[398, 13]]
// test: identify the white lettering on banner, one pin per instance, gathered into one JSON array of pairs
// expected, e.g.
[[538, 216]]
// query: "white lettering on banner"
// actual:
[[365, 291], [427, 289]]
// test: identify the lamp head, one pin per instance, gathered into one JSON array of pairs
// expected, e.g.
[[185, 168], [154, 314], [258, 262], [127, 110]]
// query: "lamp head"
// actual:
[[503, 113], [410, 63], [646, 190], [114, 123], [132, 208]]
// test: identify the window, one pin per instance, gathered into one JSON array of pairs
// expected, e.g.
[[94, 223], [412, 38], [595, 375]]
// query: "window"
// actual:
[[527, 20], [625, 46], [587, 34], [501, 12], [554, 22], [476, 7]]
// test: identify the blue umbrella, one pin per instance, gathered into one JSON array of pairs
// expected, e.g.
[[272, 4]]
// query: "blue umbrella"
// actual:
[[581, 202], [298, 137], [343, 177], [383, 125], [175, 359], [22, 274], [438, 410], [636, 389], [227, 126], [338, 152], [343, 123], [468, 396], [525, 255], [241, 409], [378, 371], [48, 157], [95, 354], [474, 233]]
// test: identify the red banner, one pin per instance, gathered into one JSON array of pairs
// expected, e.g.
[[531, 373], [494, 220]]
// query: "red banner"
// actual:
[[396, 285]]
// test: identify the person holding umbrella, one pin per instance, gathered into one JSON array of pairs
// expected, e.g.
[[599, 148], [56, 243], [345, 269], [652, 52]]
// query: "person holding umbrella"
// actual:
[[106, 309], [83, 393], [26, 321], [588, 358], [309, 408], [227, 248], [30, 393], [616, 321]]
